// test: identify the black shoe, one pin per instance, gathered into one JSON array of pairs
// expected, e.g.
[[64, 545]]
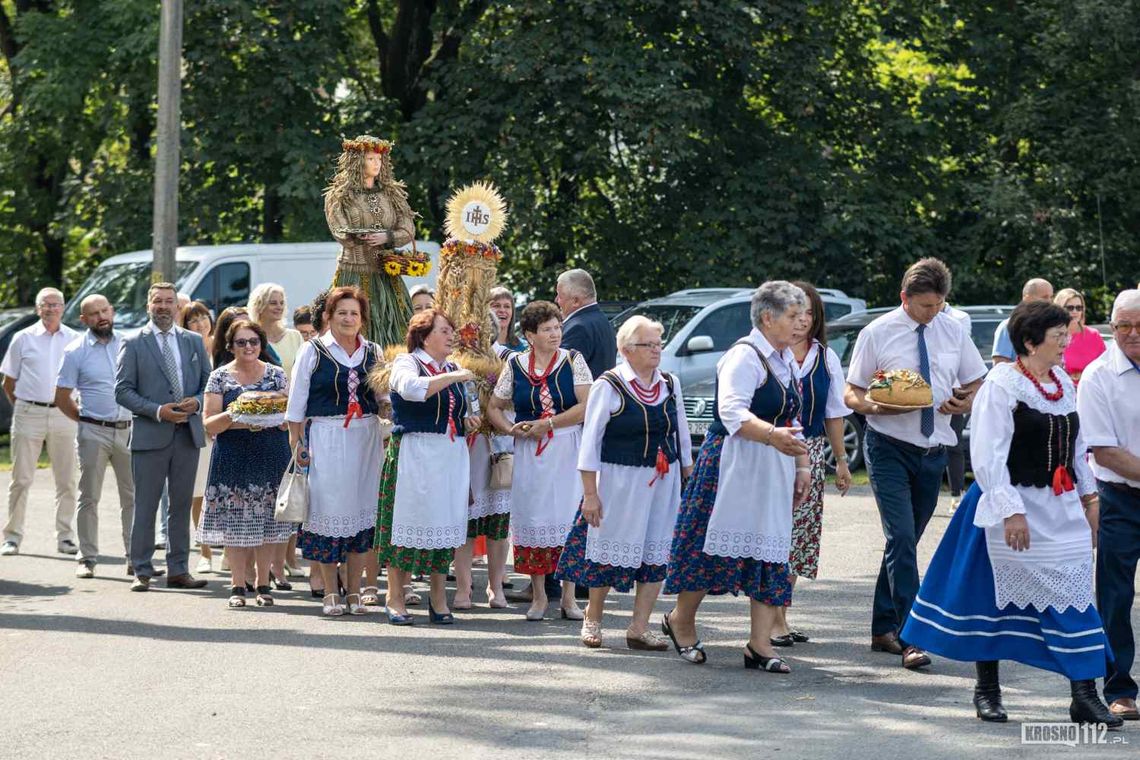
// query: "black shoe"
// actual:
[[1087, 707], [782, 641], [987, 694], [280, 585]]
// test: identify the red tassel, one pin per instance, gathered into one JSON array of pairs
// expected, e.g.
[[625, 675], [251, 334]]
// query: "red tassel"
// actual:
[[1062, 481], [354, 410], [544, 442], [451, 430], [660, 467]]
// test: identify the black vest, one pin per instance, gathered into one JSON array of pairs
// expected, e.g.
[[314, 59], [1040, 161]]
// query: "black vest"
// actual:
[[636, 430], [1040, 443]]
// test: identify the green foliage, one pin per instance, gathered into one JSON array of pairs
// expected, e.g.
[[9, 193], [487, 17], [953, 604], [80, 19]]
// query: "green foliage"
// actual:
[[659, 143]]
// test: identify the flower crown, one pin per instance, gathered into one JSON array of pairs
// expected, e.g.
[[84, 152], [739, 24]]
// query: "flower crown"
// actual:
[[368, 145]]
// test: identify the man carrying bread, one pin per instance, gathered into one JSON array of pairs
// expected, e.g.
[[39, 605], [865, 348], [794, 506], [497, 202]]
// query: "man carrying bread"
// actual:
[[912, 368]]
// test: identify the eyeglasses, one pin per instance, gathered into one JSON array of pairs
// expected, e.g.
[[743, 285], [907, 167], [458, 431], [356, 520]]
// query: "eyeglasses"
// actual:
[[51, 305], [1076, 309], [1125, 327], [1057, 335], [650, 346], [247, 342]]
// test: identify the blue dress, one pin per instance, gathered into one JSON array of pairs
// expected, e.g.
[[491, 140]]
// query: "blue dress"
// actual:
[[980, 600], [245, 472]]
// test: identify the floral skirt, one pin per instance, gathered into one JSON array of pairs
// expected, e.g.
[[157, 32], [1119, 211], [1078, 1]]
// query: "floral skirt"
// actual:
[[330, 549], [241, 491], [494, 527], [690, 569], [541, 560], [400, 557], [574, 567], [807, 517]]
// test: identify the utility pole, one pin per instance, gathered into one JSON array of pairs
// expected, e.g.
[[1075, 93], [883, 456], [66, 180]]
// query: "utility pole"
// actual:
[[169, 132]]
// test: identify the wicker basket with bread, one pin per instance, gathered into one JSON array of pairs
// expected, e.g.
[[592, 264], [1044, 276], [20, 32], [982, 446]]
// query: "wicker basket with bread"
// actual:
[[259, 409], [901, 388]]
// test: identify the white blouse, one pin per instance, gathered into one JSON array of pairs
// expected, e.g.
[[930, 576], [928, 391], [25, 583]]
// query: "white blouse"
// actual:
[[405, 377], [1057, 569], [303, 372], [836, 406], [605, 401]]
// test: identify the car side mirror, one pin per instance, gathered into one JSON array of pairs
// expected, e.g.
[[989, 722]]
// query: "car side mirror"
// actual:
[[699, 344]]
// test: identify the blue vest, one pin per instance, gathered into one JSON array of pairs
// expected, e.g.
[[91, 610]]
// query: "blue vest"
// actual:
[[636, 430], [430, 415], [328, 385], [771, 402], [815, 387], [525, 396]]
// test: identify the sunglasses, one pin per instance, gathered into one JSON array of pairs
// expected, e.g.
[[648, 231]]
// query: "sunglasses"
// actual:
[[1075, 309], [247, 342]]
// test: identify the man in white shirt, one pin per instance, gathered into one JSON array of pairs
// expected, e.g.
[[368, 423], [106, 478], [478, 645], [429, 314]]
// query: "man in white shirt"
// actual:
[[906, 450], [30, 368], [1108, 402], [104, 430], [1036, 289]]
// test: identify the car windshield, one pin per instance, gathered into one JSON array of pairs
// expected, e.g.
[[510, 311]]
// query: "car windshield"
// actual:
[[125, 286], [8, 317], [672, 316], [841, 340]]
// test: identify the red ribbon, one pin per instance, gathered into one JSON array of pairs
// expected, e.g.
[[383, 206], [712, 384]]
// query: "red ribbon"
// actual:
[[354, 410], [1062, 481], [660, 467], [544, 442]]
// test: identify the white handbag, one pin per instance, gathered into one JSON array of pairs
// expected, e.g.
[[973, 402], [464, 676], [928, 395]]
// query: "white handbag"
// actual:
[[293, 493]]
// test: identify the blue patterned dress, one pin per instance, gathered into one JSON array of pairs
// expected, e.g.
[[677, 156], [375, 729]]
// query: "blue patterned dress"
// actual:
[[245, 471]]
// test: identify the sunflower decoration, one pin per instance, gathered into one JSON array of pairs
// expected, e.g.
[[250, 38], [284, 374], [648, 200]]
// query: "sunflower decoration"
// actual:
[[468, 263], [477, 213], [392, 268]]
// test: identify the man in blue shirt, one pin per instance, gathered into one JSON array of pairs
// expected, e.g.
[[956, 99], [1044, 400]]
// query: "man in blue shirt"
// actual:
[[1036, 289], [104, 427]]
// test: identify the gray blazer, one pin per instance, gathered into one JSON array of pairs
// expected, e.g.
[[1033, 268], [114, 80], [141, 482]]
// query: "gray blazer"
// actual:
[[142, 387]]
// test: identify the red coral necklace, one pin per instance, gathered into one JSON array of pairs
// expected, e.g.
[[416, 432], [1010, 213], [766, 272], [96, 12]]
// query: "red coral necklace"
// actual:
[[645, 395], [1055, 395]]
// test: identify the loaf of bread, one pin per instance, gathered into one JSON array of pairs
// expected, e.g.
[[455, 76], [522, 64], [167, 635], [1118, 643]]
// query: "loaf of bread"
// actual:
[[901, 387]]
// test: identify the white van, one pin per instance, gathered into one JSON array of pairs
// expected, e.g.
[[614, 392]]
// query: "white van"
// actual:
[[221, 276]]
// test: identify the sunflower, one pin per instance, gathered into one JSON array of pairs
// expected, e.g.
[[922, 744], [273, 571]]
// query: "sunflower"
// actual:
[[392, 267]]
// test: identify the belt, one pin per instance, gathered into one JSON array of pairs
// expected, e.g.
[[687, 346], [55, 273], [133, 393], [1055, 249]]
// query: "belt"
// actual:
[[117, 425], [38, 403], [1124, 488], [920, 450]]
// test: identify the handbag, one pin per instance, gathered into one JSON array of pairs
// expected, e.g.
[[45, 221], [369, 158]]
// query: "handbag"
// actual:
[[293, 494], [502, 471]]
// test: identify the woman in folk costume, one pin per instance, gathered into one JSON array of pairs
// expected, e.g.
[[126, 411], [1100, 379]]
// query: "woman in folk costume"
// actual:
[[734, 529], [635, 451], [329, 395], [821, 386], [1013, 576], [548, 387], [424, 486], [368, 213]]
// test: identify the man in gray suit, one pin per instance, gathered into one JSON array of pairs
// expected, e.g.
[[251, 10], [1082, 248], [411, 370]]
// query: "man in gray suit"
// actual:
[[161, 376]]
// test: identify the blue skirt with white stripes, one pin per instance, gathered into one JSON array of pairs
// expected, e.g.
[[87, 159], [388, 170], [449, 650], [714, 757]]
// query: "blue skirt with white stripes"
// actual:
[[955, 613]]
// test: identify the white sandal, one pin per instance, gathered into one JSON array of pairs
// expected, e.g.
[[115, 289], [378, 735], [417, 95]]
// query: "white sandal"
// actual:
[[370, 596], [591, 633], [355, 608], [334, 608]]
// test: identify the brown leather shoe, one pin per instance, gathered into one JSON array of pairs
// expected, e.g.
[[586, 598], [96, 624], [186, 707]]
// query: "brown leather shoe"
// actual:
[[914, 658], [186, 580], [142, 583], [1125, 708], [888, 642]]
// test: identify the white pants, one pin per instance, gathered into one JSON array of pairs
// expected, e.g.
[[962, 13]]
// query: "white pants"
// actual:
[[32, 427]]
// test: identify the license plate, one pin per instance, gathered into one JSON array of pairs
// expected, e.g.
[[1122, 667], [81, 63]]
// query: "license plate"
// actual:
[[698, 428]]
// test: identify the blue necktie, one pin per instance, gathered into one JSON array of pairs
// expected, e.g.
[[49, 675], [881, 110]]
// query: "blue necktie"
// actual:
[[927, 424]]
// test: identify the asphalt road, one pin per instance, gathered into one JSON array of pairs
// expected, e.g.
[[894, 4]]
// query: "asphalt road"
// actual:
[[90, 670]]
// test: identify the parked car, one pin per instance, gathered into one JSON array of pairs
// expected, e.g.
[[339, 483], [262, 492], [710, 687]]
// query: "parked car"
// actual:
[[221, 276], [700, 325], [11, 322]]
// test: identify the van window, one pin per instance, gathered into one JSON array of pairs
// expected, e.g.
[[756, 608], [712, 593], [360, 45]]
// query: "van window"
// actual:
[[835, 309], [125, 286], [726, 325], [224, 285]]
